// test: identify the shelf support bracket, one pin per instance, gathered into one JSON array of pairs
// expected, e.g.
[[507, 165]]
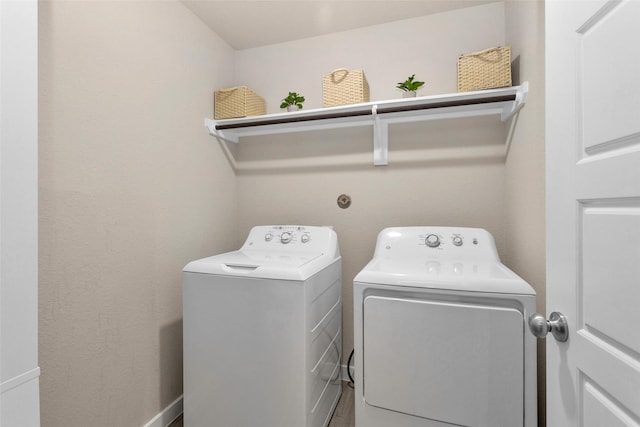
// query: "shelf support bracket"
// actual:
[[521, 98], [211, 127], [380, 139]]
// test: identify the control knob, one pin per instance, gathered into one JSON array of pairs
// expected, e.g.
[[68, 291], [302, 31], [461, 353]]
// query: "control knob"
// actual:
[[457, 240], [432, 240], [268, 237], [305, 238], [285, 237]]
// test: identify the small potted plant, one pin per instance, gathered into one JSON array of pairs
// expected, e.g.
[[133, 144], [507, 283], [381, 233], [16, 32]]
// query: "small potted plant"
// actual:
[[409, 86], [293, 102]]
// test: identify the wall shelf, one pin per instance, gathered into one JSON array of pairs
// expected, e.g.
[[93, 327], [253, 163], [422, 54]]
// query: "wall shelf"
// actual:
[[503, 102]]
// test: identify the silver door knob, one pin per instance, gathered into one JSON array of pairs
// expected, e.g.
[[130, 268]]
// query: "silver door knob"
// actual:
[[557, 325]]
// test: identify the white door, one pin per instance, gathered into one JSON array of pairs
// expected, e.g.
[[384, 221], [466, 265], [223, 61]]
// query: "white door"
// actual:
[[19, 371], [593, 211]]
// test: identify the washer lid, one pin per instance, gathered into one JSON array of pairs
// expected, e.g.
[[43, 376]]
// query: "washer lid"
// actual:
[[433, 273], [261, 264]]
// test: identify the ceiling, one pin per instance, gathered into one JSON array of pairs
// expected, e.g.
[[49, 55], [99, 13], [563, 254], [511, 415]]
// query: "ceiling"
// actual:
[[246, 24]]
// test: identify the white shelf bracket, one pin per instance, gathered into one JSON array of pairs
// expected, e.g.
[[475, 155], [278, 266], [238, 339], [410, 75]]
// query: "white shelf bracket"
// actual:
[[521, 98], [380, 139], [211, 127]]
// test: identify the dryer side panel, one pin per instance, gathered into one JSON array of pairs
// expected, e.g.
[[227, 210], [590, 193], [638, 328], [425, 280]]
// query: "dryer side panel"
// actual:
[[456, 363]]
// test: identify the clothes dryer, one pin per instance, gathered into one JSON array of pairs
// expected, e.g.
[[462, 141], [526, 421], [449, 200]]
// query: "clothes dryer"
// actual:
[[440, 333], [262, 331]]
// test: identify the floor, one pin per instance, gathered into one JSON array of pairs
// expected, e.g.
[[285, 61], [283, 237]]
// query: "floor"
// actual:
[[344, 415]]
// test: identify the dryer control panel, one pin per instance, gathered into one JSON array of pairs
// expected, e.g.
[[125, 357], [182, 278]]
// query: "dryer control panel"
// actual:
[[437, 242], [291, 238]]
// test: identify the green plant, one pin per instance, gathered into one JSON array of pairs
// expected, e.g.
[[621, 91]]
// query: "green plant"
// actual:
[[410, 85], [292, 99]]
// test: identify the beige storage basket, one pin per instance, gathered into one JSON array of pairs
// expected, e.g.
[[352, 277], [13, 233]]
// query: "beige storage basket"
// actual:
[[342, 87], [487, 69], [238, 102]]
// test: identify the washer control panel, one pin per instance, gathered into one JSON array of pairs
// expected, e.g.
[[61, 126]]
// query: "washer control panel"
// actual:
[[439, 242], [289, 238], [286, 234]]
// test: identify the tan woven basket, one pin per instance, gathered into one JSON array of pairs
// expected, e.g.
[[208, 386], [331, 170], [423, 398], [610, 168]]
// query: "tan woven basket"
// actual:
[[342, 87], [487, 69], [238, 102]]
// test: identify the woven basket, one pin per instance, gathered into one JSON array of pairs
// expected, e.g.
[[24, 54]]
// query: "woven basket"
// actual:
[[487, 69], [342, 87], [238, 102]]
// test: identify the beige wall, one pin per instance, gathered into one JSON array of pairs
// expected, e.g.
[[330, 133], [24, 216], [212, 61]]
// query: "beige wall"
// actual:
[[448, 172], [525, 183], [525, 198], [427, 46], [131, 188]]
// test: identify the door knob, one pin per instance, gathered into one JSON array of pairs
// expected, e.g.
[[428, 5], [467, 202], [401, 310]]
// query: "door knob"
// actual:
[[557, 325]]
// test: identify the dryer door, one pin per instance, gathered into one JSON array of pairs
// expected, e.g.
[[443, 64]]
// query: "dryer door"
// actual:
[[451, 362]]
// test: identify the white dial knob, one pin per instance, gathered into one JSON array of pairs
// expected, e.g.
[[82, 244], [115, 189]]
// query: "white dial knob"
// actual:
[[432, 240], [457, 240], [268, 237], [305, 238], [285, 237]]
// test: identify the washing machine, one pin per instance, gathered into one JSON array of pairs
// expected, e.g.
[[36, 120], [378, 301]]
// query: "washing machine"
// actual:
[[262, 331], [440, 333]]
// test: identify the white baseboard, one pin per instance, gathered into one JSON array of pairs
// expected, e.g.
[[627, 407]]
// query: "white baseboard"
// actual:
[[20, 400], [168, 414], [345, 375], [20, 379]]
